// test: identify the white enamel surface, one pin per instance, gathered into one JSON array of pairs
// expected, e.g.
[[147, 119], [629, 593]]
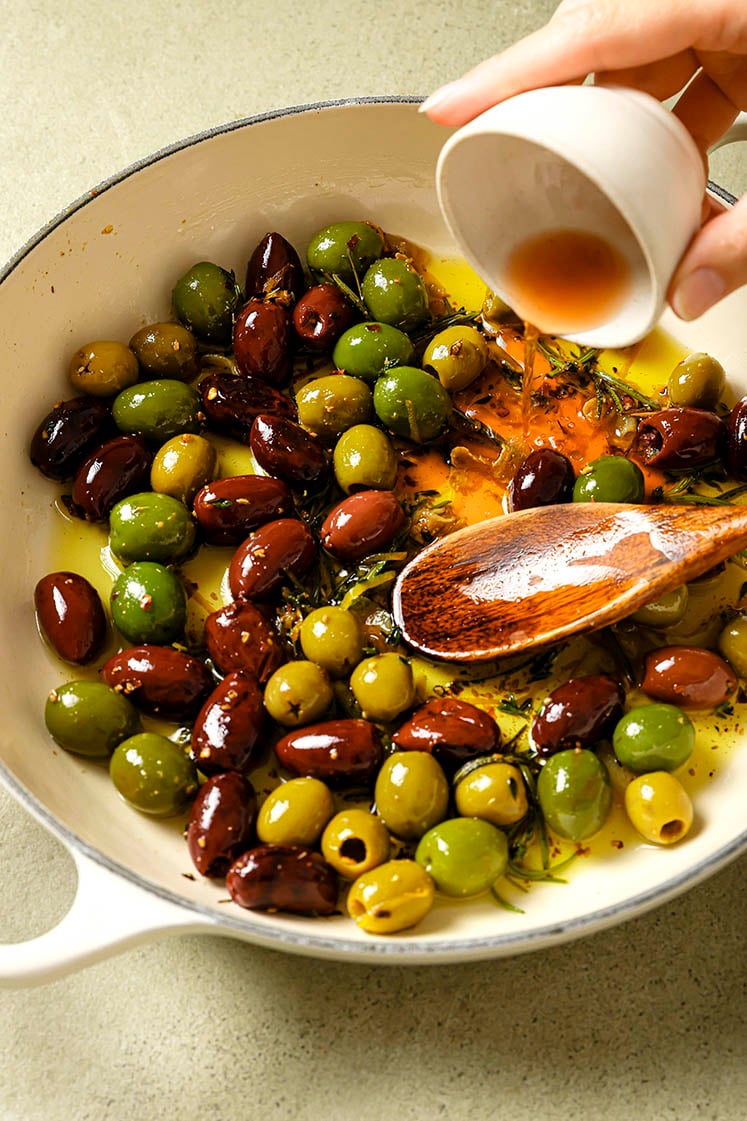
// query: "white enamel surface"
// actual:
[[214, 199]]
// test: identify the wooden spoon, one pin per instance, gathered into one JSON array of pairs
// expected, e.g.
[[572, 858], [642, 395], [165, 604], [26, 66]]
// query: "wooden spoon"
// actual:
[[531, 578]]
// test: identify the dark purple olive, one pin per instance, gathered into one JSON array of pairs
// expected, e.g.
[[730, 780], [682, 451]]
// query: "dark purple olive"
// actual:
[[117, 469], [227, 510], [240, 637], [688, 676], [452, 730], [321, 315], [221, 824], [263, 342], [277, 550], [544, 478], [70, 616], [68, 433], [578, 714], [737, 441], [679, 439], [231, 402], [363, 523], [228, 726], [273, 267], [338, 751], [287, 451], [283, 878], [160, 680]]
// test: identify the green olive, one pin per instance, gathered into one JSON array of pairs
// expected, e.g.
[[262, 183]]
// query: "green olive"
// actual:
[[575, 793], [182, 465], [149, 604], [696, 382], [345, 249], [89, 718], [664, 612], [368, 350], [333, 638], [412, 403], [103, 368], [395, 293], [463, 855], [659, 807], [327, 406], [153, 774], [298, 693], [150, 526], [610, 478], [383, 686], [295, 813], [391, 897], [657, 737], [732, 642], [494, 792], [166, 350], [458, 355], [205, 299], [355, 841], [411, 793], [157, 410], [364, 459]]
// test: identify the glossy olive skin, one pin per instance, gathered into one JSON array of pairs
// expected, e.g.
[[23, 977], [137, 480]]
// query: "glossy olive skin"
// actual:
[[70, 616], [390, 897], [697, 381], [262, 564], [411, 794], [295, 812], [344, 248], [239, 637], [363, 523], [368, 350], [737, 440], [116, 469], [452, 730], [148, 604], [664, 612], [182, 465], [160, 680], [283, 878], [364, 459], [732, 643], [579, 713], [89, 718], [331, 404], [336, 751], [230, 403], [157, 409], [298, 693], [227, 510], [263, 342], [575, 793], [153, 774], [320, 317], [383, 686], [205, 299], [411, 403], [394, 293], [150, 526], [229, 725], [680, 439], [354, 841], [610, 478], [221, 822], [688, 676], [103, 367], [544, 478], [495, 792], [287, 451], [659, 807], [464, 855], [166, 350], [655, 737], [274, 267], [457, 355], [68, 434], [332, 637]]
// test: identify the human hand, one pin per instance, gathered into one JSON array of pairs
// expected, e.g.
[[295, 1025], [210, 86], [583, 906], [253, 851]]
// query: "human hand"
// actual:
[[657, 47]]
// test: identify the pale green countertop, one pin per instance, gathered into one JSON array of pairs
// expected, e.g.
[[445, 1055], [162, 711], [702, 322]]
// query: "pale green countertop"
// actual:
[[647, 1022]]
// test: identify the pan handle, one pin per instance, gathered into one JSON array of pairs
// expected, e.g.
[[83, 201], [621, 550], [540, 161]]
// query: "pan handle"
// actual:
[[109, 915]]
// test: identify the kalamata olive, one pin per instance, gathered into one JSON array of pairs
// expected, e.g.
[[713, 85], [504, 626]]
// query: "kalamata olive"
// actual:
[[578, 714], [321, 315], [283, 878], [287, 451], [227, 510], [277, 550], [337, 751], [262, 341], [544, 478], [230, 403], [450, 729], [679, 439], [228, 725], [274, 266], [737, 442], [364, 522], [70, 616], [68, 433], [688, 676], [239, 637], [117, 469], [221, 823], [160, 680]]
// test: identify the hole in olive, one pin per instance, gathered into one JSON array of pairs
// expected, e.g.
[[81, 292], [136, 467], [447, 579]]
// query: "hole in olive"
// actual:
[[671, 830], [356, 908], [353, 849]]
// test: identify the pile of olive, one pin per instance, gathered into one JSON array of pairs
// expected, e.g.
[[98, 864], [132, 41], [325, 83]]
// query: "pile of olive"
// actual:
[[327, 686]]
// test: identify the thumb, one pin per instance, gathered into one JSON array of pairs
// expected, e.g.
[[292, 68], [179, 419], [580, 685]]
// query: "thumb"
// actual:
[[714, 264]]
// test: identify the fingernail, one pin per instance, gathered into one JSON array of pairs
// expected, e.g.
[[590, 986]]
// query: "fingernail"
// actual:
[[697, 292], [437, 98]]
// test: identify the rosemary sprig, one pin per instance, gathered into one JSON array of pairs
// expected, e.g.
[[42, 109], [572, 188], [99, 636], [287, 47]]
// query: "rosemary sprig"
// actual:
[[440, 322], [347, 291], [471, 426], [605, 385]]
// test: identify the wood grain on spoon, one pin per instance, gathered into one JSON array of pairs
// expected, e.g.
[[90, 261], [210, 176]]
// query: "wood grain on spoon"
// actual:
[[537, 576]]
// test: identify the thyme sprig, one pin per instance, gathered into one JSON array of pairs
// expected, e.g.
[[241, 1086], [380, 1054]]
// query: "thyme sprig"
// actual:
[[607, 387]]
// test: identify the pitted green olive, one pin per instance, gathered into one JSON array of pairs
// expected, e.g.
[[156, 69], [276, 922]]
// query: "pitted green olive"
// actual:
[[391, 897], [458, 355], [354, 841]]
